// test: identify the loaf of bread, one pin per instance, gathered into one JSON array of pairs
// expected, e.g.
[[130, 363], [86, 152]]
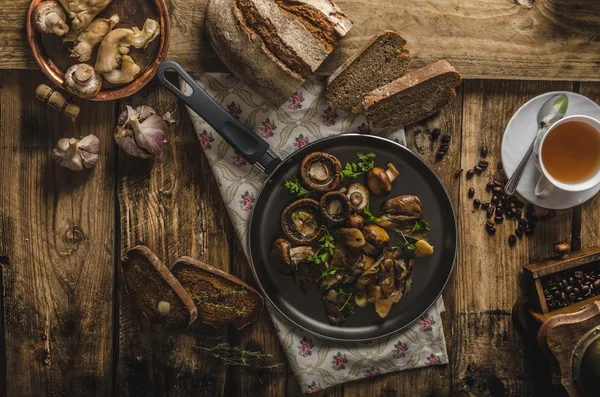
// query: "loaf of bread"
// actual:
[[155, 290], [220, 297], [412, 97], [273, 45], [382, 60]]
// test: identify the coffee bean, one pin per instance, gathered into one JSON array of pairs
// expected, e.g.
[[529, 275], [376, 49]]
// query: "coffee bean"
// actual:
[[500, 206], [497, 182], [498, 219], [471, 192], [519, 233], [494, 199], [489, 186], [444, 148], [512, 199], [476, 203], [478, 170], [491, 231], [523, 222], [483, 164], [470, 174], [497, 190], [521, 228], [517, 213], [499, 166], [435, 133], [519, 204], [440, 154], [499, 211], [490, 212], [485, 205], [509, 214], [484, 151], [457, 173], [569, 289], [446, 138], [512, 240]]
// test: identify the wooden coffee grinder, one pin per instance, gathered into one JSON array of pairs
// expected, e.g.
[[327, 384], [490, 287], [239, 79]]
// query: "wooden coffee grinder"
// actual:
[[562, 311]]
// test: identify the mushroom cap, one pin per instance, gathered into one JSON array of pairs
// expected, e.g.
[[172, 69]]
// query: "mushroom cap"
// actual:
[[379, 182], [40, 18], [280, 256], [320, 171], [406, 204], [376, 235], [82, 81], [352, 237], [335, 206], [356, 221], [358, 195], [301, 221]]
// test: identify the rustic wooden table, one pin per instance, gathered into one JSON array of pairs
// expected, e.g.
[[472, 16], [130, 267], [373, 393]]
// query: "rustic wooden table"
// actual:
[[67, 328]]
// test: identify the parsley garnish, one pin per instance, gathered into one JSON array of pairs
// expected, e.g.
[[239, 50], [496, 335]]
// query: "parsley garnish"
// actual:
[[328, 272], [325, 251], [348, 295], [420, 225], [294, 187], [366, 162], [405, 244], [367, 212]]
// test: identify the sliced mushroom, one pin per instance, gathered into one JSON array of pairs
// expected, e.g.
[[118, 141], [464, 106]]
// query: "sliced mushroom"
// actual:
[[407, 204], [320, 171], [301, 221], [82, 81], [380, 180], [333, 307], [356, 221], [401, 224], [359, 196], [360, 297], [384, 305], [335, 206], [376, 238], [351, 237], [285, 258], [126, 73], [91, 36], [49, 17]]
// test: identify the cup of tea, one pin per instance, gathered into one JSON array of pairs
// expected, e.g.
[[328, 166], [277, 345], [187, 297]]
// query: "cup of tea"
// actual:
[[569, 156]]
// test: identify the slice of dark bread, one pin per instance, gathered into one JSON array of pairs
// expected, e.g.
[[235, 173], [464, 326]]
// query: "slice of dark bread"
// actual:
[[148, 282], [412, 97], [220, 297], [382, 60]]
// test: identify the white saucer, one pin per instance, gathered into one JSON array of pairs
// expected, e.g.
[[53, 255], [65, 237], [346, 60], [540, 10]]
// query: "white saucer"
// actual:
[[519, 134]]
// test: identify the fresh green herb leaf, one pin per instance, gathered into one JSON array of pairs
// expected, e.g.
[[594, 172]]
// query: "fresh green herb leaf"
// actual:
[[328, 272], [367, 212], [421, 224], [294, 187], [405, 244], [366, 162], [348, 296], [325, 251]]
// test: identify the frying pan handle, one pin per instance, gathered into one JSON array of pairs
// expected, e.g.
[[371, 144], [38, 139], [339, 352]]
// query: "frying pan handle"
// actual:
[[253, 148]]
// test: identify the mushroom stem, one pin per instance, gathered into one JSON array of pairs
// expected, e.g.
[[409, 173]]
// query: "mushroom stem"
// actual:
[[391, 172], [55, 23]]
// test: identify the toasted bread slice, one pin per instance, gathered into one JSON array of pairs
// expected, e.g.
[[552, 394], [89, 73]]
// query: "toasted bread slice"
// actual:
[[149, 282], [220, 297]]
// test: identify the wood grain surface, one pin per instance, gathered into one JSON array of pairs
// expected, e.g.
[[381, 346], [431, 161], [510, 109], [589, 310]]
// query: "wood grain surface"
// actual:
[[555, 40]]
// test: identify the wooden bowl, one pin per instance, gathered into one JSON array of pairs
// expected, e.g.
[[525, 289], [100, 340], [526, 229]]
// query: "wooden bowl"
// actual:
[[54, 64]]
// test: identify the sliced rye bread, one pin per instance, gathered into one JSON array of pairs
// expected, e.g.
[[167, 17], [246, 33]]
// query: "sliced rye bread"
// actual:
[[412, 97], [148, 282], [382, 60], [220, 297]]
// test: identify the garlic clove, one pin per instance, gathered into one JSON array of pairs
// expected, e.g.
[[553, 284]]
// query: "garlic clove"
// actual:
[[151, 135], [77, 154], [140, 131]]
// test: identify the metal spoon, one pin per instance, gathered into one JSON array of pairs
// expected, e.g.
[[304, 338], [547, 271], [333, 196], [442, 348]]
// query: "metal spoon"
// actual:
[[553, 110]]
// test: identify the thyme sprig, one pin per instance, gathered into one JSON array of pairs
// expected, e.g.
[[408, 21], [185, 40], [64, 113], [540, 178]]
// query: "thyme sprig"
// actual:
[[233, 355]]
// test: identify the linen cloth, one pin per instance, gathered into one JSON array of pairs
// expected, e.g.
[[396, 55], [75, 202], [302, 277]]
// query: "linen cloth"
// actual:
[[306, 117]]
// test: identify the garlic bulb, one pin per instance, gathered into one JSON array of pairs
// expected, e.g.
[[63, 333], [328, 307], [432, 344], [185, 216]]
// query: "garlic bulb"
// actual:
[[140, 132], [77, 154]]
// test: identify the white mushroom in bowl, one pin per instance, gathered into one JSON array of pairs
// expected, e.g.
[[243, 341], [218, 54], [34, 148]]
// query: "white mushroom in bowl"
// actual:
[[82, 81], [49, 17]]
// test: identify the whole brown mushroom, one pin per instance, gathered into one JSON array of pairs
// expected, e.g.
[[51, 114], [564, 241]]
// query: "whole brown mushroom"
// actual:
[[375, 237], [358, 194], [351, 237], [356, 221], [301, 221], [380, 181], [285, 258], [335, 206], [320, 171]]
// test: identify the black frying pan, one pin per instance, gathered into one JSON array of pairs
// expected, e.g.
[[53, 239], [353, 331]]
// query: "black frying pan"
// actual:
[[306, 309]]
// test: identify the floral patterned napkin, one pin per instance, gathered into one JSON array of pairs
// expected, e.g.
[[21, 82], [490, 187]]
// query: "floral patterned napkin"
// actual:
[[306, 117]]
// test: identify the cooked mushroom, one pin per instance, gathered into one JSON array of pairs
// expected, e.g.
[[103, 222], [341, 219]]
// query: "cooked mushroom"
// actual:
[[126, 73], [82, 12], [333, 307], [80, 80], [91, 36], [301, 221], [285, 258], [117, 43], [376, 238], [402, 224], [49, 17], [351, 237], [380, 180], [384, 305], [406, 204], [335, 206], [360, 297], [355, 220], [320, 171], [359, 196]]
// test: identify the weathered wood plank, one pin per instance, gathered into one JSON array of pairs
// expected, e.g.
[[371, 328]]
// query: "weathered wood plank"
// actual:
[[258, 336], [487, 352], [555, 40], [590, 211], [172, 205], [56, 245]]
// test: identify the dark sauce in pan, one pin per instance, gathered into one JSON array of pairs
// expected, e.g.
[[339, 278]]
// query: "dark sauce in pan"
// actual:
[[131, 13]]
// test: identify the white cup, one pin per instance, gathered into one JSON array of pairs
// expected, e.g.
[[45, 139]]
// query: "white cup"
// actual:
[[546, 184]]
